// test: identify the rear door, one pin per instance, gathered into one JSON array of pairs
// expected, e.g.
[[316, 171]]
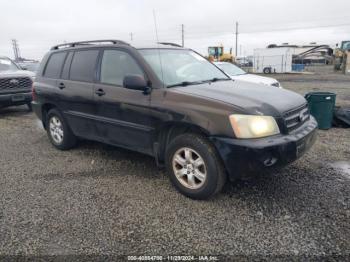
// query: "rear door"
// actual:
[[76, 91], [46, 86], [122, 115]]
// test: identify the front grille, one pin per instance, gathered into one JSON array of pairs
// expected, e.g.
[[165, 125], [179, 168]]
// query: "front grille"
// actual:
[[14, 83], [296, 117]]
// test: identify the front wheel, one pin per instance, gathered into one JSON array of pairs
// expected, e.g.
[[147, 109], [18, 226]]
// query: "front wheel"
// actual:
[[194, 166], [58, 131]]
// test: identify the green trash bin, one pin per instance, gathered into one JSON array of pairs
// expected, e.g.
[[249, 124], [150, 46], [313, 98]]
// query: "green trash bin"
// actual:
[[321, 106]]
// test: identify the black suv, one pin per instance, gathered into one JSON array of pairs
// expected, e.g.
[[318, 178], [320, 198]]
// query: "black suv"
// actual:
[[173, 104], [15, 84]]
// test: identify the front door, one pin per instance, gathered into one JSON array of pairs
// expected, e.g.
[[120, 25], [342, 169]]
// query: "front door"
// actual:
[[122, 115]]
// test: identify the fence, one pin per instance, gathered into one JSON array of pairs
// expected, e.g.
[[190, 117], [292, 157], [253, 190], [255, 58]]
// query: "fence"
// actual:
[[283, 64]]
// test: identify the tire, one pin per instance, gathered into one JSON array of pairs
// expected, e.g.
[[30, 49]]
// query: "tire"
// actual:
[[68, 139], [29, 105], [267, 70], [188, 183]]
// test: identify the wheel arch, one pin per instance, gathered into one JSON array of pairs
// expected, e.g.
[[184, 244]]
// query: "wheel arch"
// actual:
[[168, 131], [44, 110]]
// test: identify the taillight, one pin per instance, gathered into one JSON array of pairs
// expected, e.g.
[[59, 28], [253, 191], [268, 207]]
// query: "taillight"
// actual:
[[33, 92]]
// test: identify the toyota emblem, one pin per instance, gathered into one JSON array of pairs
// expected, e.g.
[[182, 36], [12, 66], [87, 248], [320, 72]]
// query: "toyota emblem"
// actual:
[[14, 82], [303, 115]]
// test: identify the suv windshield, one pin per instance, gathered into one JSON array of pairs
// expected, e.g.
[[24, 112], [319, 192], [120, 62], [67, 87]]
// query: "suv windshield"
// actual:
[[7, 64], [231, 69], [181, 67]]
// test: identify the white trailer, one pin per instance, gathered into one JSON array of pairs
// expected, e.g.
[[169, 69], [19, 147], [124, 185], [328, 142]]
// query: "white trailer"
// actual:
[[273, 60]]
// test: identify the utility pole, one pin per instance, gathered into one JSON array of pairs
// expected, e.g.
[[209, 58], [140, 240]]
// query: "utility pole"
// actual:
[[183, 35], [131, 36], [236, 39], [16, 50]]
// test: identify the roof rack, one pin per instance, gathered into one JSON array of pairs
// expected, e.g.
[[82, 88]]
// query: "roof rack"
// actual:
[[168, 43], [73, 44]]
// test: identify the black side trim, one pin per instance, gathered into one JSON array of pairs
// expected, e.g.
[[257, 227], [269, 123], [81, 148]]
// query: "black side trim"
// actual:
[[110, 121]]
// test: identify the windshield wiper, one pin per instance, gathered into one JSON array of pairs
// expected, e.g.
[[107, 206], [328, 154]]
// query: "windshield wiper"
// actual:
[[215, 79], [186, 83]]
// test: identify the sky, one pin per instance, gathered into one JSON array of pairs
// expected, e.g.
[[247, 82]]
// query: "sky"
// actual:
[[39, 24]]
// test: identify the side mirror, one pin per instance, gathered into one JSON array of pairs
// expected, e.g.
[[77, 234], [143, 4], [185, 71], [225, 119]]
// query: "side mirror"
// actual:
[[135, 82], [23, 67]]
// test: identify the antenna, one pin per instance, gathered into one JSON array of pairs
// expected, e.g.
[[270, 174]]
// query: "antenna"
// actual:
[[160, 59], [182, 35]]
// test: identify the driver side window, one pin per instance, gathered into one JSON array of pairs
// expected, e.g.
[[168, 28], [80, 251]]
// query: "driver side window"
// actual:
[[116, 65]]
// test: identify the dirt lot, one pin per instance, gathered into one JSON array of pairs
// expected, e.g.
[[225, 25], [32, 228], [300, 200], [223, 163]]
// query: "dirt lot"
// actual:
[[96, 199]]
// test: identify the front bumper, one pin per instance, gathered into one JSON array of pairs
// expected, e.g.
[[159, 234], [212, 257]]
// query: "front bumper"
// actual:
[[242, 157], [15, 99]]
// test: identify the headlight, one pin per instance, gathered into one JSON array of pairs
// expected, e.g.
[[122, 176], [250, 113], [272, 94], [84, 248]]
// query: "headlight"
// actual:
[[276, 84], [248, 126]]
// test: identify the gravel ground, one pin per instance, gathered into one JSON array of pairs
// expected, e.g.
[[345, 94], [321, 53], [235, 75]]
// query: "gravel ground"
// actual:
[[97, 199], [321, 80]]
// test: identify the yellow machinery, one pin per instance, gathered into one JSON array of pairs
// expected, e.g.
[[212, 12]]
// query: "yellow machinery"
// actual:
[[346, 69], [216, 53], [340, 56]]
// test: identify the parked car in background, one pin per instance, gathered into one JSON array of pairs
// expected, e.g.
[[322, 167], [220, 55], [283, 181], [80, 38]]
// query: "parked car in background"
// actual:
[[30, 66], [15, 84], [244, 61], [185, 112], [237, 73]]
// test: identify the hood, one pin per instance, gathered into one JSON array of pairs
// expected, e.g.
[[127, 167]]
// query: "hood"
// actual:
[[255, 79], [16, 73], [250, 98]]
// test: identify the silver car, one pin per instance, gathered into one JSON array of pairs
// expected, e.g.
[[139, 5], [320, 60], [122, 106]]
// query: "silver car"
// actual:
[[237, 73]]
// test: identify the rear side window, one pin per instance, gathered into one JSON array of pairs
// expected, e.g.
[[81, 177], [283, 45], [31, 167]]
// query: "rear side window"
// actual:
[[54, 65], [116, 65], [83, 65]]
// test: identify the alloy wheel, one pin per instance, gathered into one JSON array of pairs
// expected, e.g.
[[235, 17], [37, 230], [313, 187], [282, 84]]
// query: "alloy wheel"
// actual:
[[189, 168], [56, 130]]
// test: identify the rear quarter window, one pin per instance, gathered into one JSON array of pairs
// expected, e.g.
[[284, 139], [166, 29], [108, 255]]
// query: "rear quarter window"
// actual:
[[54, 65], [83, 65]]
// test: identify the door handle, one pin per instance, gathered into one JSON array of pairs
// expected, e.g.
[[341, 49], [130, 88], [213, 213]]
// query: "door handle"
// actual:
[[100, 92], [61, 86]]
